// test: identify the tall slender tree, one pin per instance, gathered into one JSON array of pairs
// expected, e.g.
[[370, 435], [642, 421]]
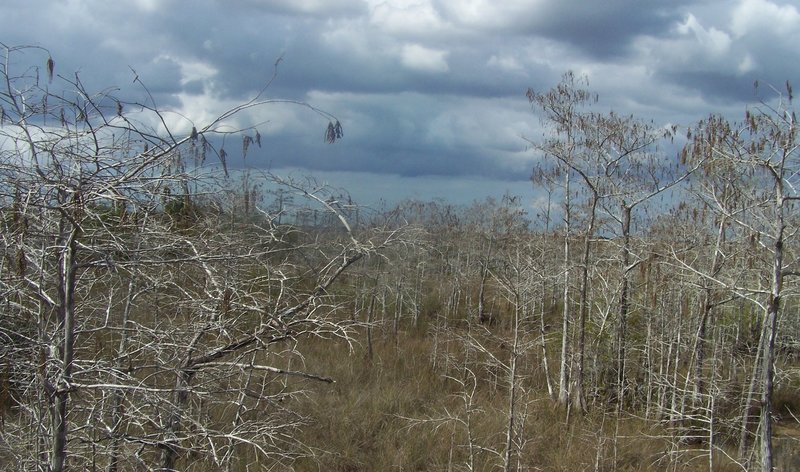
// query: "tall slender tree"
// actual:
[[560, 110], [762, 155]]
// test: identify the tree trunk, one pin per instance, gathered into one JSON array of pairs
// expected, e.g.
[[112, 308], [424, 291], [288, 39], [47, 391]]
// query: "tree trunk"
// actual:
[[563, 377], [768, 359], [543, 340], [623, 304], [744, 437], [702, 328], [512, 397], [180, 399], [482, 316], [118, 395], [579, 396], [66, 319], [768, 374]]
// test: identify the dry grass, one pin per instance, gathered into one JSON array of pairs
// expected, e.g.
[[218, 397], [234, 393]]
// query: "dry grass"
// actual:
[[357, 423], [389, 413]]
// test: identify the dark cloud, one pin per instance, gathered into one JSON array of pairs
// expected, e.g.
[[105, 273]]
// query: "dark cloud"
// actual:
[[430, 87], [316, 8], [718, 88], [600, 29]]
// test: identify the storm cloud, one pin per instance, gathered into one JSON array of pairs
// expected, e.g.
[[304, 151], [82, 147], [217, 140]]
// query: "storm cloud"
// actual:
[[425, 89]]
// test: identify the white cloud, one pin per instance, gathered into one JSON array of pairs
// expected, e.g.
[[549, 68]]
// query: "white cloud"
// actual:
[[692, 47], [497, 126], [147, 5], [505, 62], [488, 14], [191, 70], [719, 54], [760, 16], [747, 64], [412, 20], [710, 40], [418, 57]]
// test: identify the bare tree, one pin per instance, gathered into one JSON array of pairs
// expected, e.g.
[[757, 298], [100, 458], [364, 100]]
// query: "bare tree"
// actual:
[[618, 169], [560, 107], [147, 322], [760, 158]]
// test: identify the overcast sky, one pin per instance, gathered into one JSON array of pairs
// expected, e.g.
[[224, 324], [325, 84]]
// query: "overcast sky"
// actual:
[[431, 93]]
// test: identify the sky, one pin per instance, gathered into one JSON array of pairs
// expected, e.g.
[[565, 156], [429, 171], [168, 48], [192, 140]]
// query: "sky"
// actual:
[[430, 93]]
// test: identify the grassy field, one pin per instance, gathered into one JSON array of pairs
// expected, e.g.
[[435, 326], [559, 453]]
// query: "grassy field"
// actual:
[[401, 411]]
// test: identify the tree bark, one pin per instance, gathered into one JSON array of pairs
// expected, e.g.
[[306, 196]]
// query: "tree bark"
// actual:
[[118, 395], [180, 398], [563, 377], [768, 359], [623, 303], [66, 317], [579, 396], [702, 328], [482, 316], [512, 397]]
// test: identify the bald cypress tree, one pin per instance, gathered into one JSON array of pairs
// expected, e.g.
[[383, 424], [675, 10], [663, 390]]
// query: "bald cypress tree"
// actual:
[[760, 160]]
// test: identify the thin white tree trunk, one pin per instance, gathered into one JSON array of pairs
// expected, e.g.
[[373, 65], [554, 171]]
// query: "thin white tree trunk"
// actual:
[[512, 397], [563, 376], [579, 396], [66, 314], [770, 327]]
